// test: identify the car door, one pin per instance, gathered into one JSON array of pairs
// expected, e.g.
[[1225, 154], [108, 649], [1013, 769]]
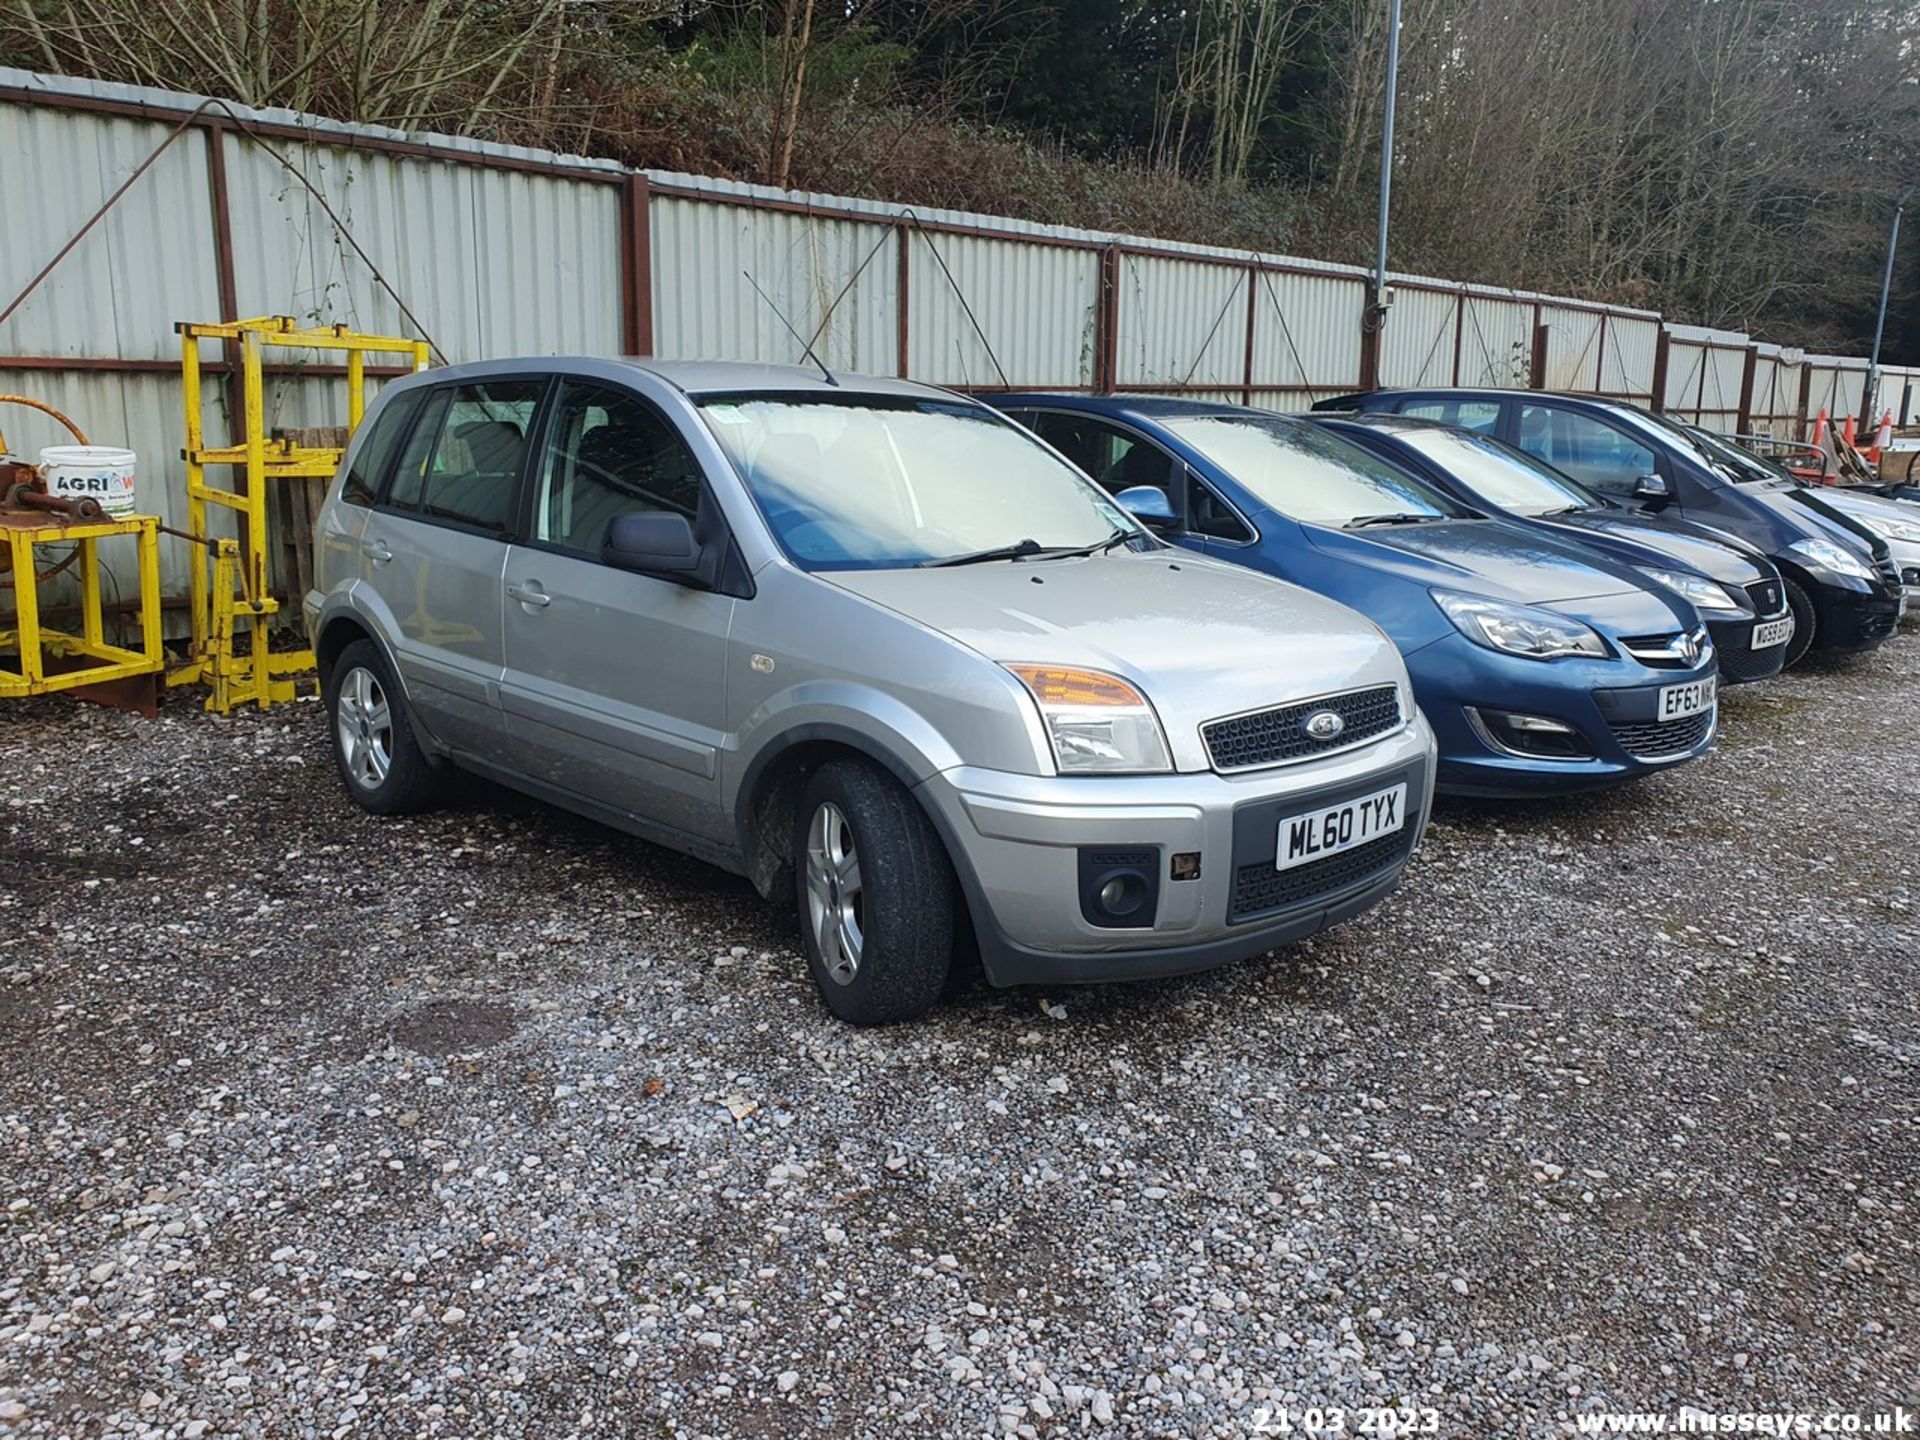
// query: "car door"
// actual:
[[615, 682], [434, 551], [1604, 456]]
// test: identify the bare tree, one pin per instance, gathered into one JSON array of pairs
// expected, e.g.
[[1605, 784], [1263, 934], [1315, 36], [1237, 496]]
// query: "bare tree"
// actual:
[[409, 63]]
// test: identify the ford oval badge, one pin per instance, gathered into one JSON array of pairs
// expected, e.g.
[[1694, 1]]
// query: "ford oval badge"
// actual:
[[1325, 725]]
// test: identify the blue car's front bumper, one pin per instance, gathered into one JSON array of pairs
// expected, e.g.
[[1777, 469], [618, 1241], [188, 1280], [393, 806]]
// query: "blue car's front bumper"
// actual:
[[1611, 705]]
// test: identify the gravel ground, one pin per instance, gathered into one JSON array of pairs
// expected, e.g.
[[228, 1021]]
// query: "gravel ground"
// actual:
[[495, 1123]]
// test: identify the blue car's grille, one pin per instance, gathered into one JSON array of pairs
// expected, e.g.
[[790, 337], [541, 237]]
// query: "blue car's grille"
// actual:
[[1259, 889], [1273, 737], [1656, 739]]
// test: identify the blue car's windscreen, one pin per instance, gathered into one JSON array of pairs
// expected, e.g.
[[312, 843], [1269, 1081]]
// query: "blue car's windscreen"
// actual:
[[1498, 474], [879, 482], [1311, 476]]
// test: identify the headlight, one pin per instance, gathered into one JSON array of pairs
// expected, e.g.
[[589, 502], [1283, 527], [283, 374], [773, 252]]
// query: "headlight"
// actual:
[[1098, 723], [1892, 529], [1697, 589], [1518, 629], [1825, 555]]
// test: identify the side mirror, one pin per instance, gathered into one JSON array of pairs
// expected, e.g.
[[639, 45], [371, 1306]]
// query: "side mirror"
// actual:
[[1651, 487], [1148, 504], [652, 542]]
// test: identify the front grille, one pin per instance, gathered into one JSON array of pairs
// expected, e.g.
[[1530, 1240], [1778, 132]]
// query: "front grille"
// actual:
[[1739, 661], [1652, 739], [1259, 888], [1662, 652], [1766, 597], [1273, 737]]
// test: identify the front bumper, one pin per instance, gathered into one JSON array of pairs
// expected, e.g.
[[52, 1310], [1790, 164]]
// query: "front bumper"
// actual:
[[1017, 842], [1856, 619], [1611, 705], [1740, 663]]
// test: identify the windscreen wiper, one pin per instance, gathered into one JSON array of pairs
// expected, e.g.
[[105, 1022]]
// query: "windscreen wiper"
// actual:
[[1404, 518], [1118, 537]]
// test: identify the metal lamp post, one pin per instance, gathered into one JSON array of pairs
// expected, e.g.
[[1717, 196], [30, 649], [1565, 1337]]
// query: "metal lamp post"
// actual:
[[1386, 161], [1869, 395]]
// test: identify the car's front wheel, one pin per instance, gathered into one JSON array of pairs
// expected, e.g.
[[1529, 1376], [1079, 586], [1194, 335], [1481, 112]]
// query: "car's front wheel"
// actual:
[[876, 895], [1805, 621], [384, 768]]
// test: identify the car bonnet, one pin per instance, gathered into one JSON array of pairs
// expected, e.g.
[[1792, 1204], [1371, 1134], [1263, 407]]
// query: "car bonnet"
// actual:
[[1201, 639]]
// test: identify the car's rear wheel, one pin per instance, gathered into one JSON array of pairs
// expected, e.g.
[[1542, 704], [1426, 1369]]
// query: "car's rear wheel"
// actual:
[[1805, 621], [385, 770], [876, 895]]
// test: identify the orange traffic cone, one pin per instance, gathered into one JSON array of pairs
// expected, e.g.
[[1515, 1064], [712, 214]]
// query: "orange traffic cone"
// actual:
[[1883, 437], [1820, 428], [1846, 431]]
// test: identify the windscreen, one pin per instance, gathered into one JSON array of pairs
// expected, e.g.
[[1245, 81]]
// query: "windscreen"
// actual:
[[1312, 476], [1731, 463], [1743, 463], [1499, 474], [875, 482]]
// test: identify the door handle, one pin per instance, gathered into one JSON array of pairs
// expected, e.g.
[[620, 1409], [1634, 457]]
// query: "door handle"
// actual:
[[529, 594], [377, 551]]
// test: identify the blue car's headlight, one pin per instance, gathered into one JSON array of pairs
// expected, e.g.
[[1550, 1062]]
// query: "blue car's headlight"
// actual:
[[1834, 559], [1518, 629], [1701, 592]]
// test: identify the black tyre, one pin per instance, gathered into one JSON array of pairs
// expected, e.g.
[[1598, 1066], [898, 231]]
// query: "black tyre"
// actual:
[[1805, 622], [876, 895], [385, 771]]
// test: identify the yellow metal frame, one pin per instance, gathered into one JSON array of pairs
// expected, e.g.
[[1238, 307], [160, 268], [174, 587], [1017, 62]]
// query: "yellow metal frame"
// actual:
[[36, 642], [228, 578]]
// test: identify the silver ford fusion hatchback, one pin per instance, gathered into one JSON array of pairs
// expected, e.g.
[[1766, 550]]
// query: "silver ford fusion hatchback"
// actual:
[[869, 644]]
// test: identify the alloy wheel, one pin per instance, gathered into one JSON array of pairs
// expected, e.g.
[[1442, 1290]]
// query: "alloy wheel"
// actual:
[[834, 894], [363, 727]]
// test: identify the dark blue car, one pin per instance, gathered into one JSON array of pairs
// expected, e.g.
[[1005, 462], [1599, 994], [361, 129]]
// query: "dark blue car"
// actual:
[[1541, 666], [1735, 588], [1841, 582]]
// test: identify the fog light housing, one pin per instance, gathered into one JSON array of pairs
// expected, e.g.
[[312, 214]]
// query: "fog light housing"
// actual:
[[1119, 888], [1531, 737]]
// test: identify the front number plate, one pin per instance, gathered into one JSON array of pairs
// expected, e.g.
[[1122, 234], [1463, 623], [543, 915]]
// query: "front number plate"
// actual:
[[1315, 836], [1679, 701], [1769, 633]]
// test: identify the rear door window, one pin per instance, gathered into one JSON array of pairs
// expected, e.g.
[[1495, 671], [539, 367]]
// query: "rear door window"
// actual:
[[462, 463], [1589, 450]]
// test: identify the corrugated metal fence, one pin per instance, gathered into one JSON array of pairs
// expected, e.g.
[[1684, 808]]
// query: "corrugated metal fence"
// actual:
[[497, 250]]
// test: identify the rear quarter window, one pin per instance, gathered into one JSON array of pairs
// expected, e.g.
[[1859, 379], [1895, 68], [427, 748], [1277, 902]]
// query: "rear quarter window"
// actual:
[[374, 457], [1481, 415]]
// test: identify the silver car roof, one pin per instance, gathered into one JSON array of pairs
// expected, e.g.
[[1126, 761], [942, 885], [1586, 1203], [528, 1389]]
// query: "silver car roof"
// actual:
[[706, 377]]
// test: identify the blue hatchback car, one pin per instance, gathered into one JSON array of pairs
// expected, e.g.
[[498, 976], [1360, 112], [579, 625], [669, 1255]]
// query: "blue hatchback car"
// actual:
[[1542, 666]]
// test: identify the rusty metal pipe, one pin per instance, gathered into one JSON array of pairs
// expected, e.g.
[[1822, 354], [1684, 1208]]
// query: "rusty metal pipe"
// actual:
[[79, 435], [82, 507]]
